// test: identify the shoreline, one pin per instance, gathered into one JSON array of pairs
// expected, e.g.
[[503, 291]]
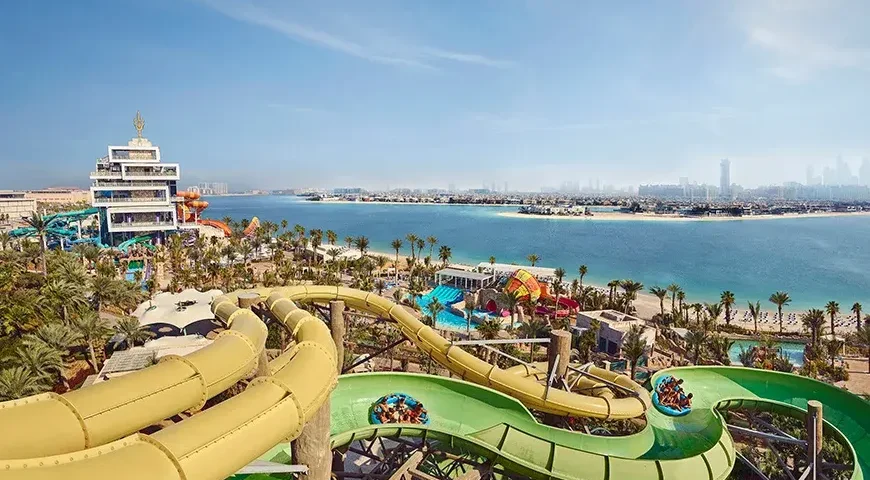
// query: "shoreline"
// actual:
[[647, 305], [434, 204], [652, 217]]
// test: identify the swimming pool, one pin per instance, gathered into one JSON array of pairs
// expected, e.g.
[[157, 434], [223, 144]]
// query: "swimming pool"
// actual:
[[794, 351]]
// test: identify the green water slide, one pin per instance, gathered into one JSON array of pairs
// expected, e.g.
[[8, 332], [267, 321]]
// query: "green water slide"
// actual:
[[145, 240], [487, 423]]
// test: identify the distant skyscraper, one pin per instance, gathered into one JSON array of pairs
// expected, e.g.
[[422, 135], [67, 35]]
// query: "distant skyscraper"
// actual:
[[505, 187], [725, 178], [828, 177], [844, 174], [864, 172], [684, 181], [451, 188], [811, 175]]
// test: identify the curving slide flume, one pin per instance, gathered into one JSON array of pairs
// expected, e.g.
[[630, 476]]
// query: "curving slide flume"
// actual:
[[71, 436], [487, 423]]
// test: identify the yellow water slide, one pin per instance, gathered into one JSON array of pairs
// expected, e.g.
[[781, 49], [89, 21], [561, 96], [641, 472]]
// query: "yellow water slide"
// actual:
[[523, 387], [73, 436], [210, 445]]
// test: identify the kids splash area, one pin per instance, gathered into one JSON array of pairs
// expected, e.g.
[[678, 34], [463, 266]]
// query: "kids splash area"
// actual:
[[302, 413]]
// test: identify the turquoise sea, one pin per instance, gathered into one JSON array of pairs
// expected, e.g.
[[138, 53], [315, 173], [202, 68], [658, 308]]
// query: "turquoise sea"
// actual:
[[814, 259]]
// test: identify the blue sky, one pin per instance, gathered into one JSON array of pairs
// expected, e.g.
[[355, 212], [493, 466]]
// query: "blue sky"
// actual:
[[380, 93]]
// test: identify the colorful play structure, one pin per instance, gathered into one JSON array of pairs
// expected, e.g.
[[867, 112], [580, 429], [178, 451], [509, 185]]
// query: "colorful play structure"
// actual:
[[190, 209], [92, 432]]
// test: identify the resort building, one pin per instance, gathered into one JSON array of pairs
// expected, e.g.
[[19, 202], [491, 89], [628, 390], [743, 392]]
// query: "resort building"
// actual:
[[16, 205], [614, 327], [60, 196], [463, 279], [135, 192]]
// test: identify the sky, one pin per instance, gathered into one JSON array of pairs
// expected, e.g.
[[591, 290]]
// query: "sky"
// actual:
[[389, 93]]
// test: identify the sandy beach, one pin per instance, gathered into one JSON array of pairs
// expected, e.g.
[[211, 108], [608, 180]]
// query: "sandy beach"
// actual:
[[618, 216]]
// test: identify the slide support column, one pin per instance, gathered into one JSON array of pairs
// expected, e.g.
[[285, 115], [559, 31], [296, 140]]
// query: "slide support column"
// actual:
[[312, 447], [559, 346], [249, 300], [815, 422]]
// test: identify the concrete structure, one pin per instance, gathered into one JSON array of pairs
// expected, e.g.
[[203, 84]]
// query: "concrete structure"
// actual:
[[614, 326], [16, 205], [725, 178], [134, 191], [462, 278], [59, 195]]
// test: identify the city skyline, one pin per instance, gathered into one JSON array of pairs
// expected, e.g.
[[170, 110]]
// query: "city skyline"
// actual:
[[539, 93]]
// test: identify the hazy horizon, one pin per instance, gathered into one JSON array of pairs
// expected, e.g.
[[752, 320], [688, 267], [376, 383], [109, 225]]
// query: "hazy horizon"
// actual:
[[269, 94]]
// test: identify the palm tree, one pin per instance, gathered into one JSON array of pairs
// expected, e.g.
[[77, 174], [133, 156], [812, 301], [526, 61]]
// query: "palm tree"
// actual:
[[856, 309], [131, 330], [362, 243], [583, 270], [469, 311], [780, 299], [720, 347], [533, 259], [714, 310], [863, 338], [492, 263], [36, 222], [727, 302], [661, 293], [348, 241], [412, 242], [814, 321], [17, 382], [631, 288], [432, 241], [755, 312], [41, 360], [533, 328], [698, 308], [634, 347], [513, 300], [674, 289], [558, 287], [397, 245], [612, 285], [695, 339], [5, 239], [331, 237], [444, 254], [832, 309], [92, 329], [435, 307], [681, 296], [420, 244]]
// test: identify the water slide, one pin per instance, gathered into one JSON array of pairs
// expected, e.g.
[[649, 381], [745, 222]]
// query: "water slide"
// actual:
[[76, 435], [485, 422], [218, 224], [489, 421], [144, 240]]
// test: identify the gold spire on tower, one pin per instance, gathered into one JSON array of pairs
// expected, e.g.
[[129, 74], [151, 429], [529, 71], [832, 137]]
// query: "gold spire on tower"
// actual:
[[139, 123]]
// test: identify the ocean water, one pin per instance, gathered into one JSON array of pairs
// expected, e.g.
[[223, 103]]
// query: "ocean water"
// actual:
[[814, 259]]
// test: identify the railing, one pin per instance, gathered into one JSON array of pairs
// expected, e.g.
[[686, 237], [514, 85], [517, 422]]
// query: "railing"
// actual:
[[143, 224], [130, 183], [128, 199], [105, 173], [129, 173]]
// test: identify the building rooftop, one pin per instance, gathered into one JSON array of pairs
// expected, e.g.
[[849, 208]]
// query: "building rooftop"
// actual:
[[137, 358], [614, 319], [452, 272], [177, 309]]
